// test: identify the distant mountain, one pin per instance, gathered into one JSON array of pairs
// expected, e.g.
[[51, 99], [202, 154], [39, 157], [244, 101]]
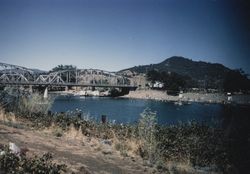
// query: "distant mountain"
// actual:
[[38, 71], [204, 74]]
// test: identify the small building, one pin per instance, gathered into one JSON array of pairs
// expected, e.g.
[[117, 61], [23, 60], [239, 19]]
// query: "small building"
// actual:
[[229, 97]]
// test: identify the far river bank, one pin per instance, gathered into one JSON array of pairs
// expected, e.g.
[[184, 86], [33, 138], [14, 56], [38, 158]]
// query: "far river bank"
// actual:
[[189, 97], [160, 95]]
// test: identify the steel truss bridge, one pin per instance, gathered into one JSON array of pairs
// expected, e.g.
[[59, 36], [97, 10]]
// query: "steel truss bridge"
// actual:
[[11, 75]]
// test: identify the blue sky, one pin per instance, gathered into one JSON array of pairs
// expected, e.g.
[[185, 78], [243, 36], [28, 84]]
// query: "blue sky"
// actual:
[[117, 34]]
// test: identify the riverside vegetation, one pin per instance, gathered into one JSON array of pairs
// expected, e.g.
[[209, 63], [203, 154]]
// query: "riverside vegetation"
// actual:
[[196, 145]]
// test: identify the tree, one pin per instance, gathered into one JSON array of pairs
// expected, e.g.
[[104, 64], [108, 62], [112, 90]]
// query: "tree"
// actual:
[[171, 80], [236, 81], [63, 67], [153, 76]]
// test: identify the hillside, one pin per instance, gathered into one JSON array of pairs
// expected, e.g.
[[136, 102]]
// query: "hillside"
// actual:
[[202, 74], [187, 67]]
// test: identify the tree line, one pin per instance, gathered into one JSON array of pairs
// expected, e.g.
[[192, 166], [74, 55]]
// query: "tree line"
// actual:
[[234, 81]]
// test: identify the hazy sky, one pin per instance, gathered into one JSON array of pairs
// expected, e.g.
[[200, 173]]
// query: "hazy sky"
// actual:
[[117, 34]]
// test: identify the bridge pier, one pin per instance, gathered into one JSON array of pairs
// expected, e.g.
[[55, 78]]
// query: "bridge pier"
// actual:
[[30, 89], [45, 95], [66, 88]]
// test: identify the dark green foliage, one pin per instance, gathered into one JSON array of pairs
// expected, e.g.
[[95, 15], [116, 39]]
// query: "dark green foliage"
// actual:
[[67, 72], [153, 76], [200, 145], [172, 81], [63, 67], [11, 163], [236, 81], [192, 143], [114, 92]]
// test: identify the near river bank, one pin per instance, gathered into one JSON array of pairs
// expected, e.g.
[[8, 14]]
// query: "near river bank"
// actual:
[[100, 148]]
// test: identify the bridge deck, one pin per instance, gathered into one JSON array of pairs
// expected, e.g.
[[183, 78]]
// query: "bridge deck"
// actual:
[[66, 84]]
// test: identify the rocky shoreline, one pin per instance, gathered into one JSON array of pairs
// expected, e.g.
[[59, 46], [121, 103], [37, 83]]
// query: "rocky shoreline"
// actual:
[[189, 97]]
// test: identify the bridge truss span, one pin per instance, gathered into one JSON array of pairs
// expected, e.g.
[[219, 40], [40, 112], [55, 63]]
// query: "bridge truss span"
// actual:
[[18, 75]]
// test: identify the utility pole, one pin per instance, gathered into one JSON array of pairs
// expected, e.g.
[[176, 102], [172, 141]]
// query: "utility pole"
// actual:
[[76, 75]]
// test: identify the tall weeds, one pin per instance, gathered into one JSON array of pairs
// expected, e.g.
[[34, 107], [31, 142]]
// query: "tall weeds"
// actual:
[[34, 104], [147, 135]]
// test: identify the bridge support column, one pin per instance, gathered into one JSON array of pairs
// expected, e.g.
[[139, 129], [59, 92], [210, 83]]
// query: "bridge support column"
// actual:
[[66, 88], [45, 95], [30, 89]]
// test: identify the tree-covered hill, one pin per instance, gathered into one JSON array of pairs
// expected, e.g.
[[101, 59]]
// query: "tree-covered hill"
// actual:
[[199, 74]]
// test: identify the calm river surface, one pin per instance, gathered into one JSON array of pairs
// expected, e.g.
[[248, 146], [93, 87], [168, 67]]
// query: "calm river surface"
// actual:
[[128, 110]]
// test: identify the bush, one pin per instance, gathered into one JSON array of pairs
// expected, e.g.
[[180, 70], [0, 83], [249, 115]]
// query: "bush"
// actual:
[[147, 135], [11, 163], [192, 143]]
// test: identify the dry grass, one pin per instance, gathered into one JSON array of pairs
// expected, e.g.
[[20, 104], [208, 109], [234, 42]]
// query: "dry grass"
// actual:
[[73, 133], [2, 115], [34, 103], [7, 117], [131, 147]]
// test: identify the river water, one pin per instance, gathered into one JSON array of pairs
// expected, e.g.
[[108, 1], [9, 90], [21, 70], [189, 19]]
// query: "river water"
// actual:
[[128, 110]]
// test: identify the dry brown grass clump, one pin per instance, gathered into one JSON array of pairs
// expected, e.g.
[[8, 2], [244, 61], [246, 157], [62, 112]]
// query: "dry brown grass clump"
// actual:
[[9, 117]]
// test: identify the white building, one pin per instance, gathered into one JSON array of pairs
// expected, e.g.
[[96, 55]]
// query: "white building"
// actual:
[[158, 84]]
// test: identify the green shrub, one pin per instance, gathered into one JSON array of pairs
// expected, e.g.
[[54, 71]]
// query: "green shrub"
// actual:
[[193, 143], [11, 163]]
